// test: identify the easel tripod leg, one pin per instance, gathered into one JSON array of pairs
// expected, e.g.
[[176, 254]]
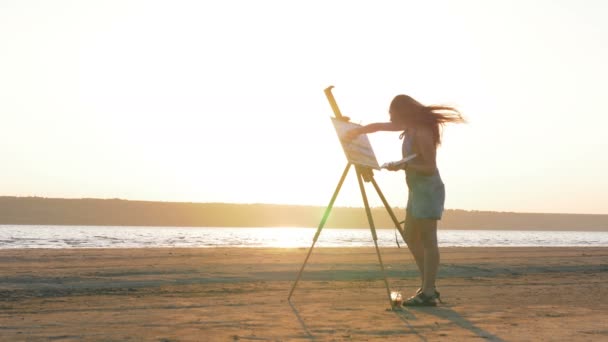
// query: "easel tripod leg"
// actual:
[[388, 208], [321, 224], [373, 229]]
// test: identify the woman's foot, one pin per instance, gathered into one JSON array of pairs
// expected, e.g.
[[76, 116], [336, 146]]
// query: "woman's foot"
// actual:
[[420, 300], [436, 295]]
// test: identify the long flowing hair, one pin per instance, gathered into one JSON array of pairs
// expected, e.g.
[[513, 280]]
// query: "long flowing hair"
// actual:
[[404, 109]]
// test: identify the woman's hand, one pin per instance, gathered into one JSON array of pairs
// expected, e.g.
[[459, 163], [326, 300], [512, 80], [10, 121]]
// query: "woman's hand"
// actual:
[[395, 166], [352, 133], [392, 167]]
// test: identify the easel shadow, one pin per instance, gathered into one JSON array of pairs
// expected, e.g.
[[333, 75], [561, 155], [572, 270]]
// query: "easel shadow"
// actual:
[[405, 316], [302, 323], [459, 320], [401, 314]]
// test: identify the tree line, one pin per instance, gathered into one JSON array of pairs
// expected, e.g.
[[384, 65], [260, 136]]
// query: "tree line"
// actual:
[[118, 212]]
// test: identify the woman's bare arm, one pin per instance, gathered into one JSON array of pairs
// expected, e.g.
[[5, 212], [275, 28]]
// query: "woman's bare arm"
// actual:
[[374, 127], [382, 126]]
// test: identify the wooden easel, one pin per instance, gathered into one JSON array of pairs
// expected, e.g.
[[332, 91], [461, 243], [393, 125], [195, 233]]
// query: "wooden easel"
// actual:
[[364, 174]]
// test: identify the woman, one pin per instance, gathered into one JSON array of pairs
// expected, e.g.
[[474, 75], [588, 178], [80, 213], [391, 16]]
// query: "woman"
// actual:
[[421, 126]]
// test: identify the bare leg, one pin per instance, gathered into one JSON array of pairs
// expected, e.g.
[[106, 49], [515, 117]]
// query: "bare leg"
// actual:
[[413, 238], [428, 230]]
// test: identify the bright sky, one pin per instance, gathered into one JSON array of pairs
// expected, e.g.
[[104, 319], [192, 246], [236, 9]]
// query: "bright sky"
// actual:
[[222, 101]]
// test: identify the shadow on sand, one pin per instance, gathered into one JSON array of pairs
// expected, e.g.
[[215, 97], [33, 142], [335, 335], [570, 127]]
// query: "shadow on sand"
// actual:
[[402, 315], [408, 315], [302, 323], [450, 315]]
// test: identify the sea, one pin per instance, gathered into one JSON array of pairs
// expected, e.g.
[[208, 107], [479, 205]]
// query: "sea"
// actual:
[[40, 236]]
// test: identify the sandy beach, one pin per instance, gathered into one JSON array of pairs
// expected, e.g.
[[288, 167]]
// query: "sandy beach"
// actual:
[[496, 294]]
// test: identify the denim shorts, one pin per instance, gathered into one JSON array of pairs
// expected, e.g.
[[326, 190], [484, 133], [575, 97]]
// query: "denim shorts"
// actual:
[[426, 195]]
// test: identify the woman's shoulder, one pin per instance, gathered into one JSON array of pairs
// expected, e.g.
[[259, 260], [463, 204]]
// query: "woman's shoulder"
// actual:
[[422, 131]]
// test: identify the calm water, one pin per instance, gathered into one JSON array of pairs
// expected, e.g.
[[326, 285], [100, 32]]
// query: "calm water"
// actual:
[[124, 237]]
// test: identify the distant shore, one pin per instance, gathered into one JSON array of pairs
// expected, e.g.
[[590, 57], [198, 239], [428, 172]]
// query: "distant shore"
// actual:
[[117, 212]]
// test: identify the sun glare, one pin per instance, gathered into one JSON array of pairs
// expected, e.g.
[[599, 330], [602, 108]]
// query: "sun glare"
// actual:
[[286, 237]]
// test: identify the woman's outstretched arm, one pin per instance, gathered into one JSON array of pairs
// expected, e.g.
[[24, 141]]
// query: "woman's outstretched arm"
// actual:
[[374, 127]]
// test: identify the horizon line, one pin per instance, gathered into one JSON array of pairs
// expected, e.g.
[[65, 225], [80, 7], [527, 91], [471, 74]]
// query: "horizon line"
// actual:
[[279, 204]]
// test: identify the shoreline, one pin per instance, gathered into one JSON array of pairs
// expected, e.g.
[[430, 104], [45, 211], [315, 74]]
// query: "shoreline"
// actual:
[[137, 237], [499, 229], [229, 294], [285, 249]]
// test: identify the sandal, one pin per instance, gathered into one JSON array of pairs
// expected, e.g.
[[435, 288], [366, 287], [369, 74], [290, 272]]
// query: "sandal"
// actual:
[[421, 300], [437, 294]]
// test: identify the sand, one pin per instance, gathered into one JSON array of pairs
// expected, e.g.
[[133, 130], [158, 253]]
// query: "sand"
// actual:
[[228, 294]]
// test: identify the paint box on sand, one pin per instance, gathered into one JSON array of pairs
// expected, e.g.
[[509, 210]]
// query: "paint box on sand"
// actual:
[[396, 298]]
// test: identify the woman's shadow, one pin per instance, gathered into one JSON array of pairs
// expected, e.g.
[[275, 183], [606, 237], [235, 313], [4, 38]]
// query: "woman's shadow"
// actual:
[[447, 314], [403, 316], [407, 315]]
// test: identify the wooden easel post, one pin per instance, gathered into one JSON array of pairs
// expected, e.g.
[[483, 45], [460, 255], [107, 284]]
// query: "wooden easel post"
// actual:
[[364, 174], [360, 177], [325, 216]]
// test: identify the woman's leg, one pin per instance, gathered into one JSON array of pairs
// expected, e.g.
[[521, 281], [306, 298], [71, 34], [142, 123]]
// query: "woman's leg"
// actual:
[[428, 232], [413, 239]]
